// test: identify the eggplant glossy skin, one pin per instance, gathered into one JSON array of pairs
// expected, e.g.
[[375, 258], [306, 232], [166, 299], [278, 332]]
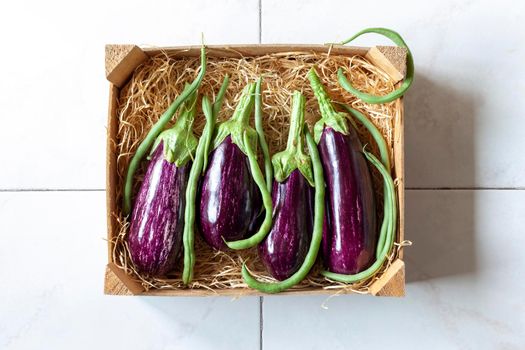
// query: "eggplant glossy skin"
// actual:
[[284, 249], [350, 239], [229, 202], [157, 222]]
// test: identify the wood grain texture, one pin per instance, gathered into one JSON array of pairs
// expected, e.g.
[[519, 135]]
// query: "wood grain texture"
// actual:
[[392, 282], [121, 60], [254, 50], [391, 59], [111, 166], [117, 282], [399, 166]]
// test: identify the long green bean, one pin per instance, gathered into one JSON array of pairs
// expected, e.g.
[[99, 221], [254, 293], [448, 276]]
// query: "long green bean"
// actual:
[[373, 99], [268, 170], [144, 146], [201, 155], [317, 234]]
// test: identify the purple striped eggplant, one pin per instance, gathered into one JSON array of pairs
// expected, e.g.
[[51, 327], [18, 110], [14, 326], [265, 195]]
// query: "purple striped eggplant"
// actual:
[[350, 240], [230, 193], [157, 221], [229, 199], [284, 249]]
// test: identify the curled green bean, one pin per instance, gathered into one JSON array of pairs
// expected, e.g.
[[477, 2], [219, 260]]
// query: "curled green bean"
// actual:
[[201, 156], [144, 146], [268, 170], [388, 228], [372, 99], [267, 202], [317, 234]]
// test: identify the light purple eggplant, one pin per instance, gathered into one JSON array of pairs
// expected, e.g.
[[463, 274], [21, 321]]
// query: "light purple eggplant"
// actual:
[[157, 219], [155, 236]]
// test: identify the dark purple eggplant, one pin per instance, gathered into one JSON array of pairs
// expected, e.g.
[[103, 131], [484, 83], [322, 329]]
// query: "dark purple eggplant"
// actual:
[[155, 236], [284, 249], [229, 198], [157, 221], [350, 240]]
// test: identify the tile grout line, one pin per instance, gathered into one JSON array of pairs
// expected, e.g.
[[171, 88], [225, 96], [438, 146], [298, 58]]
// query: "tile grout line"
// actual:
[[261, 301], [260, 21]]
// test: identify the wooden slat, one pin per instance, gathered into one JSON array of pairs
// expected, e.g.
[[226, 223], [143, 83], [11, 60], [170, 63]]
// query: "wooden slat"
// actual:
[[111, 167], [399, 165], [254, 50]]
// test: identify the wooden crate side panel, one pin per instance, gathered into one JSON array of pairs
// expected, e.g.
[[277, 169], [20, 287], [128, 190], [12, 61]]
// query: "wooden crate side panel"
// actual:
[[254, 50], [111, 167], [399, 162]]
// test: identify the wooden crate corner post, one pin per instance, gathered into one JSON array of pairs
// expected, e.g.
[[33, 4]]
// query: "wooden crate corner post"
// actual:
[[120, 62], [392, 281]]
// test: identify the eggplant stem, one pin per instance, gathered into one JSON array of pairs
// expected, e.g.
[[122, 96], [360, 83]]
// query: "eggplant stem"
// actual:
[[268, 170]]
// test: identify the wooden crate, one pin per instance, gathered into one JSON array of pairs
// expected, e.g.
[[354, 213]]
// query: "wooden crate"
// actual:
[[121, 60]]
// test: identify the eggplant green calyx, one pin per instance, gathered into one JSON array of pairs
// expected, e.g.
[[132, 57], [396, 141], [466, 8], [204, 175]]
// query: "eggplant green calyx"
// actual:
[[293, 157], [238, 124], [179, 142], [329, 116]]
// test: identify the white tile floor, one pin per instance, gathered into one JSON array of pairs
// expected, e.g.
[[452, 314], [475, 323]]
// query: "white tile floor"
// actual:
[[463, 115]]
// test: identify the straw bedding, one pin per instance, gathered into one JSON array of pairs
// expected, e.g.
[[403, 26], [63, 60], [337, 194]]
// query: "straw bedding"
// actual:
[[157, 82]]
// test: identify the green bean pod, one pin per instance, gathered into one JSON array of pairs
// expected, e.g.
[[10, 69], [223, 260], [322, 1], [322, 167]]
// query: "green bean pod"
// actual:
[[388, 227], [157, 128], [201, 156], [317, 234], [268, 170], [373, 99]]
